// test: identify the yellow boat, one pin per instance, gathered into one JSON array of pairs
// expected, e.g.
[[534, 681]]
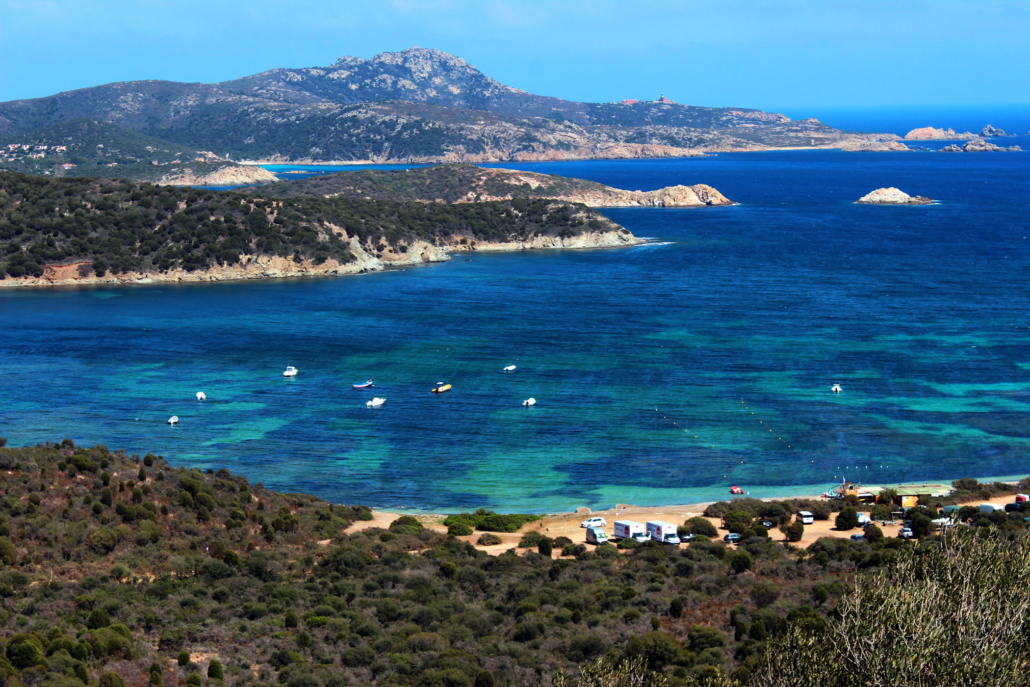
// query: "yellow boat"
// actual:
[[441, 389]]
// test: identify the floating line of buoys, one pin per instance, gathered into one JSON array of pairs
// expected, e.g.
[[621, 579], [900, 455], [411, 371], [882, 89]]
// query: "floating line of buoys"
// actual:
[[762, 422], [687, 431]]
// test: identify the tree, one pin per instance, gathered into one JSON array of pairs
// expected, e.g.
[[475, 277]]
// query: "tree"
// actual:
[[183, 658], [657, 649], [676, 608], [741, 562], [544, 547], [794, 531], [701, 526], [922, 525], [484, 679], [873, 534], [214, 669], [847, 519], [111, 680], [291, 619]]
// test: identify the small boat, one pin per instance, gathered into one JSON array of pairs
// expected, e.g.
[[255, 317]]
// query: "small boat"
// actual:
[[173, 420], [736, 490], [836, 388], [442, 388], [201, 396], [291, 371], [375, 402], [365, 385], [529, 402], [510, 368]]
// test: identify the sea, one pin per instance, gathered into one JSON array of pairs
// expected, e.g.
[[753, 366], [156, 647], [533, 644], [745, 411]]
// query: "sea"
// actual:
[[663, 374]]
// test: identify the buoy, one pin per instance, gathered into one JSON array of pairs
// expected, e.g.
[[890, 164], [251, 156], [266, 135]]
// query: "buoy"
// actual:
[[201, 396]]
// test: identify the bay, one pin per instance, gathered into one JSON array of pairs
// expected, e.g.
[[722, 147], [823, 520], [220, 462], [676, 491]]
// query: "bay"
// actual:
[[920, 313]]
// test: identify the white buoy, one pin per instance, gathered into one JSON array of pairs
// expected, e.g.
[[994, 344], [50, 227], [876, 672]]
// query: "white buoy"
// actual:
[[201, 396], [173, 420], [529, 402]]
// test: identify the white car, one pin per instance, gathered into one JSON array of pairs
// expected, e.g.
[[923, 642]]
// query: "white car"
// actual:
[[594, 522]]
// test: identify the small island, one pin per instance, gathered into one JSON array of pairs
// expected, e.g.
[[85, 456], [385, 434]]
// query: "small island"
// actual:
[[892, 196]]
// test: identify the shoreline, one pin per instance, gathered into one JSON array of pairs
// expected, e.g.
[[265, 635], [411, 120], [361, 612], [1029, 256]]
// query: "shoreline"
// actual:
[[273, 267]]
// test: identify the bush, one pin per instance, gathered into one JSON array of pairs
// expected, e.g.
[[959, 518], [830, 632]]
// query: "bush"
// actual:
[[656, 649], [459, 530], [873, 534], [214, 670], [544, 547], [489, 540], [183, 658], [700, 526], [794, 531], [111, 680], [741, 562], [847, 519]]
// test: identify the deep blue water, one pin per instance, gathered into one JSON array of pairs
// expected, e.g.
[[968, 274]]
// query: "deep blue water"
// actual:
[[921, 313]]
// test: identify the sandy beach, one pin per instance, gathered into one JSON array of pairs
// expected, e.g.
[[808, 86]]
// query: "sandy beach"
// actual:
[[568, 524]]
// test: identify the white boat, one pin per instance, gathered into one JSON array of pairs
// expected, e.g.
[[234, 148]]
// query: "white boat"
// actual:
[[173, 420], [529, 402], [291, 371], [509, 368], [201, 396], [836, 388], [375, 402]]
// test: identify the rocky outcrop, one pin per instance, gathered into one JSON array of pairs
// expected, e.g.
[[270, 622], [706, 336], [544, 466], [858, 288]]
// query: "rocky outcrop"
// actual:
[[892, 196], [990, 132], [699, 195], [875, 147], [273, 267], [978, 145], [951, 149], [230, 175], [928, 133]]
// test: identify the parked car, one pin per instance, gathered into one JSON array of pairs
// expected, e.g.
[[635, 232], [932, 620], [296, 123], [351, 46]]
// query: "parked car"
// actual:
[[858, 537], [767, 524], [596, 536], [1014, 507], [687, 538], [868, 525], [805, 517], [905, 533], [731, 538], [594, 522]]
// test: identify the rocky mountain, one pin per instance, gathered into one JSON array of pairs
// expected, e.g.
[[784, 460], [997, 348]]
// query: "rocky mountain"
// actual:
[[471, 184], [416, 105]]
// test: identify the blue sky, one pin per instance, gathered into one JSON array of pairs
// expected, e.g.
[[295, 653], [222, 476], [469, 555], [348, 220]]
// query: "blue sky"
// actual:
[[770, 54]]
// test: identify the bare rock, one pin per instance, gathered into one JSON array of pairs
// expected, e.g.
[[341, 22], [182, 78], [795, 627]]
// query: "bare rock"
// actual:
[[583, 510], [978, 145], [928, 133], [875, 147], [1014, 149], [892, 196], [990, 132], [951, 149]]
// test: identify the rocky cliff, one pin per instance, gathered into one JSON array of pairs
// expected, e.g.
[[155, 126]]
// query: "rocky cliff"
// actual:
[[892, 196], [875, 147]]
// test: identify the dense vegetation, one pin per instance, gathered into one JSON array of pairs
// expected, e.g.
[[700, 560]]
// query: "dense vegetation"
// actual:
[[449, 183], [120, 226], [120, 564]]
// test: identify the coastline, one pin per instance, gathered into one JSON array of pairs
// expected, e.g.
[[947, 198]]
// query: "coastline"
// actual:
[[274, 267]]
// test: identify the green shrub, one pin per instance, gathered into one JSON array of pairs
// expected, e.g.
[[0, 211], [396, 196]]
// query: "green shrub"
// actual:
[[459, 530], [214, 670], [847, 519], [111, 680], [489, 540], [741, 561], [183, 658]]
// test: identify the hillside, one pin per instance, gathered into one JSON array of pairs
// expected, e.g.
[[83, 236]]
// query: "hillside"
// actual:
[[76, 229], [416, 105], [90, 148], [126, 570], [468, 183]]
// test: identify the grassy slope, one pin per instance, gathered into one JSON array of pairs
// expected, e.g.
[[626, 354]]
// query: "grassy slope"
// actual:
[[123, 226]]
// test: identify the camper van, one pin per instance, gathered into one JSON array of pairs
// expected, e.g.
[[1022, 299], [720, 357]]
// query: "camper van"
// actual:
[[596, 536], [990, 507], [805, 518], [627, 529], [662, 532]]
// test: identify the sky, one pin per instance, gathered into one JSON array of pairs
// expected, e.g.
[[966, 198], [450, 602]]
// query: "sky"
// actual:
[[767, 54]]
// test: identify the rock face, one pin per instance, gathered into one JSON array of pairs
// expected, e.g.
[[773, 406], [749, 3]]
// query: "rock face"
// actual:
[[669, 197], [990, 132], [230, 175], [928, 133], [874, 147], [978, 145], [892, 196], [950, 149]]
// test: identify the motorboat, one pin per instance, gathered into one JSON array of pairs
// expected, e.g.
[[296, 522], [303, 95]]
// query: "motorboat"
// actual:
[[836, 388], [364, 385], [375, 402], [509, 368], [291, 371], [736, 490], [173, 420], [529, 402], [201, 396], [440, 388]]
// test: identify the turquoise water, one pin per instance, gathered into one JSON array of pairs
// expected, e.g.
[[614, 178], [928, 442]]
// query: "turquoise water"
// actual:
[[921, 313]]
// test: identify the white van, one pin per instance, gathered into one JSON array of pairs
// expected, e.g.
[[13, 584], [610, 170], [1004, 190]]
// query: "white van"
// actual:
[[627, 529], [805, 518], [990, 507], [595, 535], [662, 532]]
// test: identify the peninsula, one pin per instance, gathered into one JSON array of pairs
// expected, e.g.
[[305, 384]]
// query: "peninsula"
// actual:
[[76, 231]]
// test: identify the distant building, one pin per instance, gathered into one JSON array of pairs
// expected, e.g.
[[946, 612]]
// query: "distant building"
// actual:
[[67, 165], [663, 99], [630, 102]]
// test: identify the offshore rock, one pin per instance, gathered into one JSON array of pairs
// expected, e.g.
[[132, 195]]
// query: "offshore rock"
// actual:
[[892, 196], [874, 147], [950, 149], [990, 132], [928, 133], [978, 145]]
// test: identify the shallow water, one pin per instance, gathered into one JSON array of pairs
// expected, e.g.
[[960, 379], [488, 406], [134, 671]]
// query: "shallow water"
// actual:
[[920, 313]]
